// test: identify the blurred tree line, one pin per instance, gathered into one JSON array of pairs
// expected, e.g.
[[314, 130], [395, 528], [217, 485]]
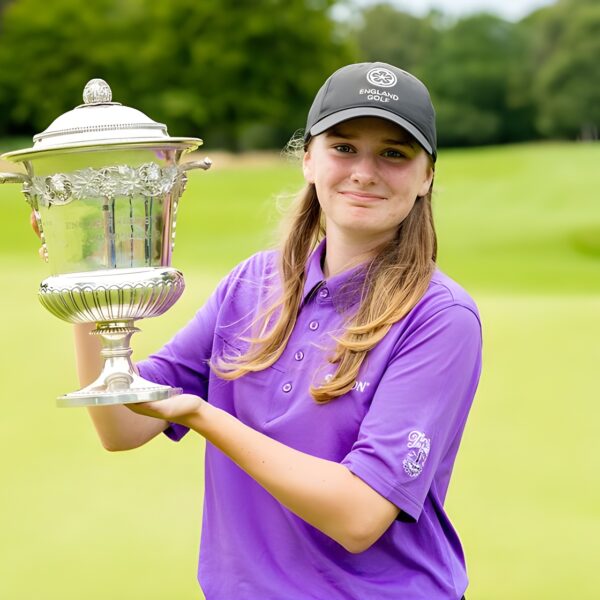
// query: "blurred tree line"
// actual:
[[242, 74]]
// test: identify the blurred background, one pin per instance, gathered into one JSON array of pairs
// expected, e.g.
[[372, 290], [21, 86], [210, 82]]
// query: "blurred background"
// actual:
[[516, 86]]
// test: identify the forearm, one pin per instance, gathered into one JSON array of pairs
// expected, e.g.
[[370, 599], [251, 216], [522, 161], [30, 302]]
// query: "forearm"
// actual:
[[321, 492], [118, 428], [87, 353]]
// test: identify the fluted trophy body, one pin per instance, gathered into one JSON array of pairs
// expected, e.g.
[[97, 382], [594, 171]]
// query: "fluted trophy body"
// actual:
[[104, 182]]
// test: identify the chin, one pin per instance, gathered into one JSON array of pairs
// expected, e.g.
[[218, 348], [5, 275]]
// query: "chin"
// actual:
[[366, 230]]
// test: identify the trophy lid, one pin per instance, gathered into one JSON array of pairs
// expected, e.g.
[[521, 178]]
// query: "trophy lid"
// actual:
[[101, 122]]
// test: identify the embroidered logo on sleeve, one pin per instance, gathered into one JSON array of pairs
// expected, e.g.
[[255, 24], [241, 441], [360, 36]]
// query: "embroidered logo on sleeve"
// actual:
[[419, 451]]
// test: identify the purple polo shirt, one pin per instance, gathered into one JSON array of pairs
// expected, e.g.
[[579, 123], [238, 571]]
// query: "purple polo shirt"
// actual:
[[398, 429]]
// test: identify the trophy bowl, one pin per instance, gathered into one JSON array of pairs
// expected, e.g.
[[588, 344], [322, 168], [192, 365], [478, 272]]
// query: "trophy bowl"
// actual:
[[104, 181]]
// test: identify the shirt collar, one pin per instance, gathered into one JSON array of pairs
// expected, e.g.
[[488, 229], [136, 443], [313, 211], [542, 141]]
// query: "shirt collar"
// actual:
[[344, 288]]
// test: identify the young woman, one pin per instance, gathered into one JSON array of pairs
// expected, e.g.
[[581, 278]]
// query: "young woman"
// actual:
[[331, 379]]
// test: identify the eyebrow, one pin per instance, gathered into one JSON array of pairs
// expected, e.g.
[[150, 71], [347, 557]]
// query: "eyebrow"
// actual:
[[406, 142], [335, 132]]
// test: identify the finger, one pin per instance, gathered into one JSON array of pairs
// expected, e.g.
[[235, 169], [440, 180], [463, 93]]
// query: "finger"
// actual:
[[34, 223], [156, 409], [141, 408]]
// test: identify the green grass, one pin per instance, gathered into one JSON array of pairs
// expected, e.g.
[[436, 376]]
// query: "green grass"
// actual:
[[519, 227]]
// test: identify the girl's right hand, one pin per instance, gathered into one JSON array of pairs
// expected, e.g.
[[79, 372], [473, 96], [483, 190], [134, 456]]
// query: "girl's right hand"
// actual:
[[34, 225]]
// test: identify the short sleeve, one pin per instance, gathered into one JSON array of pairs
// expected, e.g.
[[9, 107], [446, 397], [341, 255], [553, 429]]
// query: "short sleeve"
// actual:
[[412, 430], [184, 361]]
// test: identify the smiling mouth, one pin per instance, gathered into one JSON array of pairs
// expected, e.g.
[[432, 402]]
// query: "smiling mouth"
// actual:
[[361, 196]]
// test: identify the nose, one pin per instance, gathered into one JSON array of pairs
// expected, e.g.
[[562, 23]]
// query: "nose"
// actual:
[[364, 170]]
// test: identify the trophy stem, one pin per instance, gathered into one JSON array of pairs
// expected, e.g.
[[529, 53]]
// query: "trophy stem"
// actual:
[[116, 352], [118, 383]]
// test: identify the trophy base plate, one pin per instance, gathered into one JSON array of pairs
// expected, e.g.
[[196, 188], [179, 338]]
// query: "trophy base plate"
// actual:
[[100, 395]]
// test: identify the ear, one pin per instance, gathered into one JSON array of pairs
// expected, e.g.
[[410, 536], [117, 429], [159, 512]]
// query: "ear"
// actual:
[[308, 167], [426, 186]]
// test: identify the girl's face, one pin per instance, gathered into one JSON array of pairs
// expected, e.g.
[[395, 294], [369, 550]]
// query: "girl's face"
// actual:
[[367, 173]]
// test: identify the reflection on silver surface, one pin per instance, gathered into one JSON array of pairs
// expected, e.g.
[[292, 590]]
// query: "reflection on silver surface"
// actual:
[[112, 295], [109, 218], [104, 182]]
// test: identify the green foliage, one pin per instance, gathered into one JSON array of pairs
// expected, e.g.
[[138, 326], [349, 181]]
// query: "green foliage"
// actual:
[[495, 81], [389, 35], [472, 66], [242, 75], [567, 82], [469, 73], [238, 74]]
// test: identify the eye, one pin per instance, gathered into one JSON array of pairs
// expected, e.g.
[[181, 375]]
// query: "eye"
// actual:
[[393, 153], [344, 148]]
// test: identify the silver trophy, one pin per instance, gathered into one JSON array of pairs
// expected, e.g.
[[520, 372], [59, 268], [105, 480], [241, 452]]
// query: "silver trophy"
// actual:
[[104, 181]]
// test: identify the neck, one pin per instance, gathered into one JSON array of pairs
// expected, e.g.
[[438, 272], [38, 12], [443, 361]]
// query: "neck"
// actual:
[[343, 253]]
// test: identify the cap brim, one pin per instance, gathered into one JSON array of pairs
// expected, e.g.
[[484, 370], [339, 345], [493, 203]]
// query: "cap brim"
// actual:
[[353, 113]]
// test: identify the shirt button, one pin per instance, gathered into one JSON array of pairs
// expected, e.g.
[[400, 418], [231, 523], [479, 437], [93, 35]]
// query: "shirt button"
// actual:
[[313, 325], [287, 387], [324, 293], [299, 355]]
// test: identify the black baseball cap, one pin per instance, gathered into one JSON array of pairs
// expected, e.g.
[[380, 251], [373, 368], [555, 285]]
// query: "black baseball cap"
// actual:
[[375, 89]]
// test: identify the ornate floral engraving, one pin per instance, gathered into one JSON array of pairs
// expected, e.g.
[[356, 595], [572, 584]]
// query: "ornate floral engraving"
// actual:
[[58, 189], [148, 180]]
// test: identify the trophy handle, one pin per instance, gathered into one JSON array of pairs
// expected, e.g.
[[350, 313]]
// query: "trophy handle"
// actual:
[[13, 178], [204, 164]]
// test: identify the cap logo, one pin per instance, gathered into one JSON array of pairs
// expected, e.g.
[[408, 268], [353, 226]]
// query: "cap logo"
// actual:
[[381, 77]]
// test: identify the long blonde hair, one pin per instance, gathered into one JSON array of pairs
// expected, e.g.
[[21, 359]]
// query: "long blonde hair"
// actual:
[[396, 279]]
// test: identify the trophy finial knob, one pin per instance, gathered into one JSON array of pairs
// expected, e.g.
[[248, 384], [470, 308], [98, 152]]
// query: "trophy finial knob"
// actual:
[[97, 91]]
